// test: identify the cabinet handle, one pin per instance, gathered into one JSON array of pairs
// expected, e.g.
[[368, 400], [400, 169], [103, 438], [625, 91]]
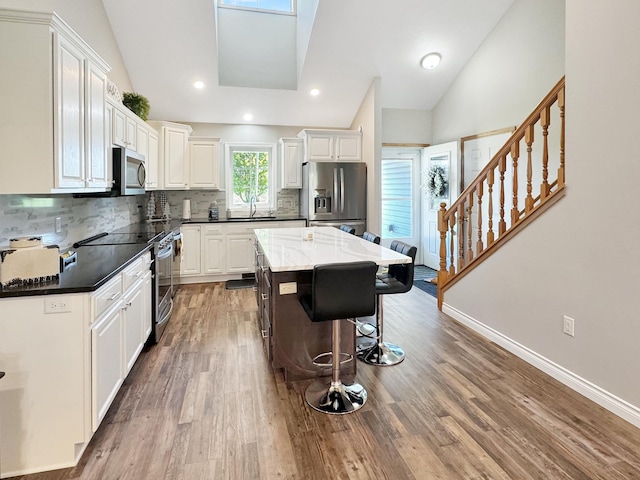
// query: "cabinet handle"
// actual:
[[114, 296], [138, 274]]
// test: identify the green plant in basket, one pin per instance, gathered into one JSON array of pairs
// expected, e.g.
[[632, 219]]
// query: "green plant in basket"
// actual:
[[137, 103]]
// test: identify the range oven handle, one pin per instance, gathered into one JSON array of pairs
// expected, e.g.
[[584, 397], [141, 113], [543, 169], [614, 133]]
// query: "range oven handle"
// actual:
[[166, 251]]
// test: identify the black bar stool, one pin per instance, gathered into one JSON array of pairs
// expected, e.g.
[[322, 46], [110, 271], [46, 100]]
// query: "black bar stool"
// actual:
[[348, 229], [339, 291], [371, 237], [398, 279]]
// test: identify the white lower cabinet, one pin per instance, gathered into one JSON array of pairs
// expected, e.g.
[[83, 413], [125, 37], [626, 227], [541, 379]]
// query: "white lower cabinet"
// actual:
[[240, 256], [133, 315], [213, 255], [191, 256], [210, 251], [122, 323], [106, 363]]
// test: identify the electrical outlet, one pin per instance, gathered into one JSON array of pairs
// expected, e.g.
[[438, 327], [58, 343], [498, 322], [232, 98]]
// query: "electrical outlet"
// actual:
[[568, 326], [288, 288], [57, 305], [280, 203], [58, 224]]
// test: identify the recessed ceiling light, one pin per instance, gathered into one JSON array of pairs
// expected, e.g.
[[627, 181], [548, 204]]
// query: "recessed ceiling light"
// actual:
[[248, 117], [430, 60], [314, 92], [199, 85]]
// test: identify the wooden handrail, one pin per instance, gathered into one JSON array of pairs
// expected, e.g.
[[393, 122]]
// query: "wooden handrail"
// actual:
[[473, 216]]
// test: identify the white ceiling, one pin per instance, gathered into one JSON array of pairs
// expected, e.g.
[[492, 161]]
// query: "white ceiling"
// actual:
[[168, 45]]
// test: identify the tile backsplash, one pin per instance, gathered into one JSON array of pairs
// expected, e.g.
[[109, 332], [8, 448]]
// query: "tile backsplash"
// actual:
[[23, 215], [201, 199]]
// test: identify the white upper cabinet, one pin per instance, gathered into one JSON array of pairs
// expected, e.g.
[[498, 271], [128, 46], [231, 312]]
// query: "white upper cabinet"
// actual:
[[52, 92], [204, 167], [173, 155], [290, 163], [97, 132], [332, 145], [152, 162]]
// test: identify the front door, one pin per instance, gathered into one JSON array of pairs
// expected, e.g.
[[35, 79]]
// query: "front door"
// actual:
[[440, 168]]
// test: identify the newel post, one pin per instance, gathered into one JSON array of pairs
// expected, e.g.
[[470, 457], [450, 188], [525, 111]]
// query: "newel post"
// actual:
[[442, 272]]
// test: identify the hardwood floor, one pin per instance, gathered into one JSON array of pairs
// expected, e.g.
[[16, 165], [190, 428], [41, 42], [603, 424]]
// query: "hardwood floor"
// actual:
[[204, 404]]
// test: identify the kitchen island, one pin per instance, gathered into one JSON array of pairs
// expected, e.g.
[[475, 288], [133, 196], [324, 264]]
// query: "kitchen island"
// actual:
[[285, 259]]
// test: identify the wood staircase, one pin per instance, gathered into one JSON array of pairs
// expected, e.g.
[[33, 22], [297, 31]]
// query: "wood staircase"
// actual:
[[476, 225]]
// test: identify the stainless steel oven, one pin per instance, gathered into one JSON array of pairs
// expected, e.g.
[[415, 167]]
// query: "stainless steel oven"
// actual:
[[163, 259]]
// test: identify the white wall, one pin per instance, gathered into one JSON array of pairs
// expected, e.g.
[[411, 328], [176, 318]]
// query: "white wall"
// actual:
[[369, 117], [406, 126], [89, 20], [514, 68], [581, 257]]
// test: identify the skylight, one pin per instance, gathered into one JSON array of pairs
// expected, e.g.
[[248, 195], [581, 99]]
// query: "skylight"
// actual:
[[281, 6]]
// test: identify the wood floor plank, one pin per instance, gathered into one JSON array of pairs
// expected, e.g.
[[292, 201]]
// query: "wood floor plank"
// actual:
[[205, 404]]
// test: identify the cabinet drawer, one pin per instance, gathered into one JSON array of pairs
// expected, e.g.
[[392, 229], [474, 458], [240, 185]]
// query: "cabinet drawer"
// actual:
[[107, 296], [134, 272], [249, 227], [212, 229]]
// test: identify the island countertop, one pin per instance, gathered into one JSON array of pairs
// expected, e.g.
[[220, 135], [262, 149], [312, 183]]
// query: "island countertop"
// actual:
[[286, 249]]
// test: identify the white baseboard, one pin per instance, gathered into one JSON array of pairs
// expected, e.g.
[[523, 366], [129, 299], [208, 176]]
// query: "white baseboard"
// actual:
[[605, 399]]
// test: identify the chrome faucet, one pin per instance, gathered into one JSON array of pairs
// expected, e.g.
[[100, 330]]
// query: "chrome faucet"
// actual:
[[252, 206]]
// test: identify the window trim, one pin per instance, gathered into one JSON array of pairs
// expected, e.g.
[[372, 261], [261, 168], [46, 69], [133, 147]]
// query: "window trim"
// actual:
[[272, 150], [294, 6]]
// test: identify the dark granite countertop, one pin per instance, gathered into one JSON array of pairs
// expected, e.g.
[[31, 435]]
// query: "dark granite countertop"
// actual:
[[95, 266], [236, 220]]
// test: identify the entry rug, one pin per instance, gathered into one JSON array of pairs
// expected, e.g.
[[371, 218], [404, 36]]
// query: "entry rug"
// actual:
[[421, 279], [243, 283]]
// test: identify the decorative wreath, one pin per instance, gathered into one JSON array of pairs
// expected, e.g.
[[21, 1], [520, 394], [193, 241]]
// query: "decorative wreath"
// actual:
[[436, 183]]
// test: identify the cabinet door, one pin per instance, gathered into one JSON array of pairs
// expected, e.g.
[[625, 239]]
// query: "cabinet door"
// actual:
[[153, 179], [176, 168], [349, 147], [133, 319], [147, 318], [70, 154], [98, 172], [190, 264], [203, 164], [320, 147], [106, 363], [212, 254], [142, 140], [240, 253], [119, 128], [291, 164], [131, 132]]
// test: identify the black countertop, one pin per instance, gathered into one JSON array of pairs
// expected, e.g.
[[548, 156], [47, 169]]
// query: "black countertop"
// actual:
[[243, 220], [95, 266]]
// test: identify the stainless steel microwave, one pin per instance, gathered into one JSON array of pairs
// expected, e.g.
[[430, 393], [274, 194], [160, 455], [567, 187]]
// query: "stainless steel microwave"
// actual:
[[129, 173]]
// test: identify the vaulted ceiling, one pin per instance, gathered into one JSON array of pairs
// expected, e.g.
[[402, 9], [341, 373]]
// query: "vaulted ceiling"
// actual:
[[167, 46]]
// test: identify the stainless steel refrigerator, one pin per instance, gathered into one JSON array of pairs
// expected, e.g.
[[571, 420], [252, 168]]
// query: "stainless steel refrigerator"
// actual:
[[334, 194]]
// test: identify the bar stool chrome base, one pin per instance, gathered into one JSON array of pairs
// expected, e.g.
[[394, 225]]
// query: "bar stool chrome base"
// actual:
[[327, 396], [382, 354]]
